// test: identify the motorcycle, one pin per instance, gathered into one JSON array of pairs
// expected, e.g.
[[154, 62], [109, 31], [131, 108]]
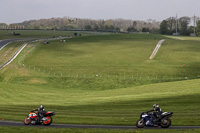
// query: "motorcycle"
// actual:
[[146, 120], [34, 119]]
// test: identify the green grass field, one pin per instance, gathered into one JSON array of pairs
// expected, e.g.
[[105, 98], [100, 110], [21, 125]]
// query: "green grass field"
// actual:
[[106, 80], [7, 34], [63, 130]]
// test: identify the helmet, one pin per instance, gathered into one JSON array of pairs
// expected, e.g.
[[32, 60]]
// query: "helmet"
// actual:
[[155, 106], [41, 107]]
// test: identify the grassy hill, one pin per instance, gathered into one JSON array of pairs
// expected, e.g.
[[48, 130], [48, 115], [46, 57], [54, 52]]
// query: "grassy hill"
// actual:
[[104, 79], [108, 62]]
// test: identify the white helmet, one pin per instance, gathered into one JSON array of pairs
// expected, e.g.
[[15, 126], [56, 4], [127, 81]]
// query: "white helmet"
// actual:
[[41, 107]]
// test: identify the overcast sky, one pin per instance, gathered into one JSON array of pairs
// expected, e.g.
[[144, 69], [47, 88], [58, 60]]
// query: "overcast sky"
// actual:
[[12, 11]]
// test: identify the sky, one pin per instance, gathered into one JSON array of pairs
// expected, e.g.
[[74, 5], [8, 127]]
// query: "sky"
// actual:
[[14, 11]]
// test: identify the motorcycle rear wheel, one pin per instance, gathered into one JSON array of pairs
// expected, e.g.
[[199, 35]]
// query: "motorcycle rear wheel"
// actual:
[[48, 121], [165, 123], [27, 121], [140, 123]]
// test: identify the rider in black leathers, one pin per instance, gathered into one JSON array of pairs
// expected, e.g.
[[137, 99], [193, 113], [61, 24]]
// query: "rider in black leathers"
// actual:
[[41, 112], [156, 114]]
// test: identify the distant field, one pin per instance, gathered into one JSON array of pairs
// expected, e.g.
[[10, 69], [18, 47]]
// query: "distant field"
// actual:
[[191, 38], [105, 79], [6, 34], [185, 38]]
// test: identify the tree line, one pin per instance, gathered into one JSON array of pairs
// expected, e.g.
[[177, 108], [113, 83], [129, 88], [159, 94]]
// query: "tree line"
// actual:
[[184, 25], [67, 23]]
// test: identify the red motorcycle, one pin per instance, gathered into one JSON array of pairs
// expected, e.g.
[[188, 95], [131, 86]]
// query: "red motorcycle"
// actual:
[[33, 118]]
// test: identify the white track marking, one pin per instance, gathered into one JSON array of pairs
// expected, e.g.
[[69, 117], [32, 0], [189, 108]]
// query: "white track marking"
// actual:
[[23, 46], [22, 57], [14, 56], [178, 38], [4, 45], [175, 38], [156, 49]]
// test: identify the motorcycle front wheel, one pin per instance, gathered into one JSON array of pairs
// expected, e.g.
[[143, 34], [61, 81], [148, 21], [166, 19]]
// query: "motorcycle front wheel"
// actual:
[[27, 121], [48, 121], [165, 123], [140, 123]]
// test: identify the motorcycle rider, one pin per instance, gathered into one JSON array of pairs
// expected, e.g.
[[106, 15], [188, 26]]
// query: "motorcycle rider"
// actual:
[[156, 114], [41, 112]]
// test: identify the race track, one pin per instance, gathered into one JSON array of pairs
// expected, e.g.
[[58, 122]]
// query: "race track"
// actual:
[[3, 43], [9, 123]]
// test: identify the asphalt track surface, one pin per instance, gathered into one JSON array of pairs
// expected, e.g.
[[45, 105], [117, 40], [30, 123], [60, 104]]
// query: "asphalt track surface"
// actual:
[[5, 42], [21, 124]]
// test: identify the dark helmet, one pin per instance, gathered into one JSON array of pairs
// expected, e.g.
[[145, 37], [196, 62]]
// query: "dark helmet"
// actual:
[[155, 107], [41, 107]]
